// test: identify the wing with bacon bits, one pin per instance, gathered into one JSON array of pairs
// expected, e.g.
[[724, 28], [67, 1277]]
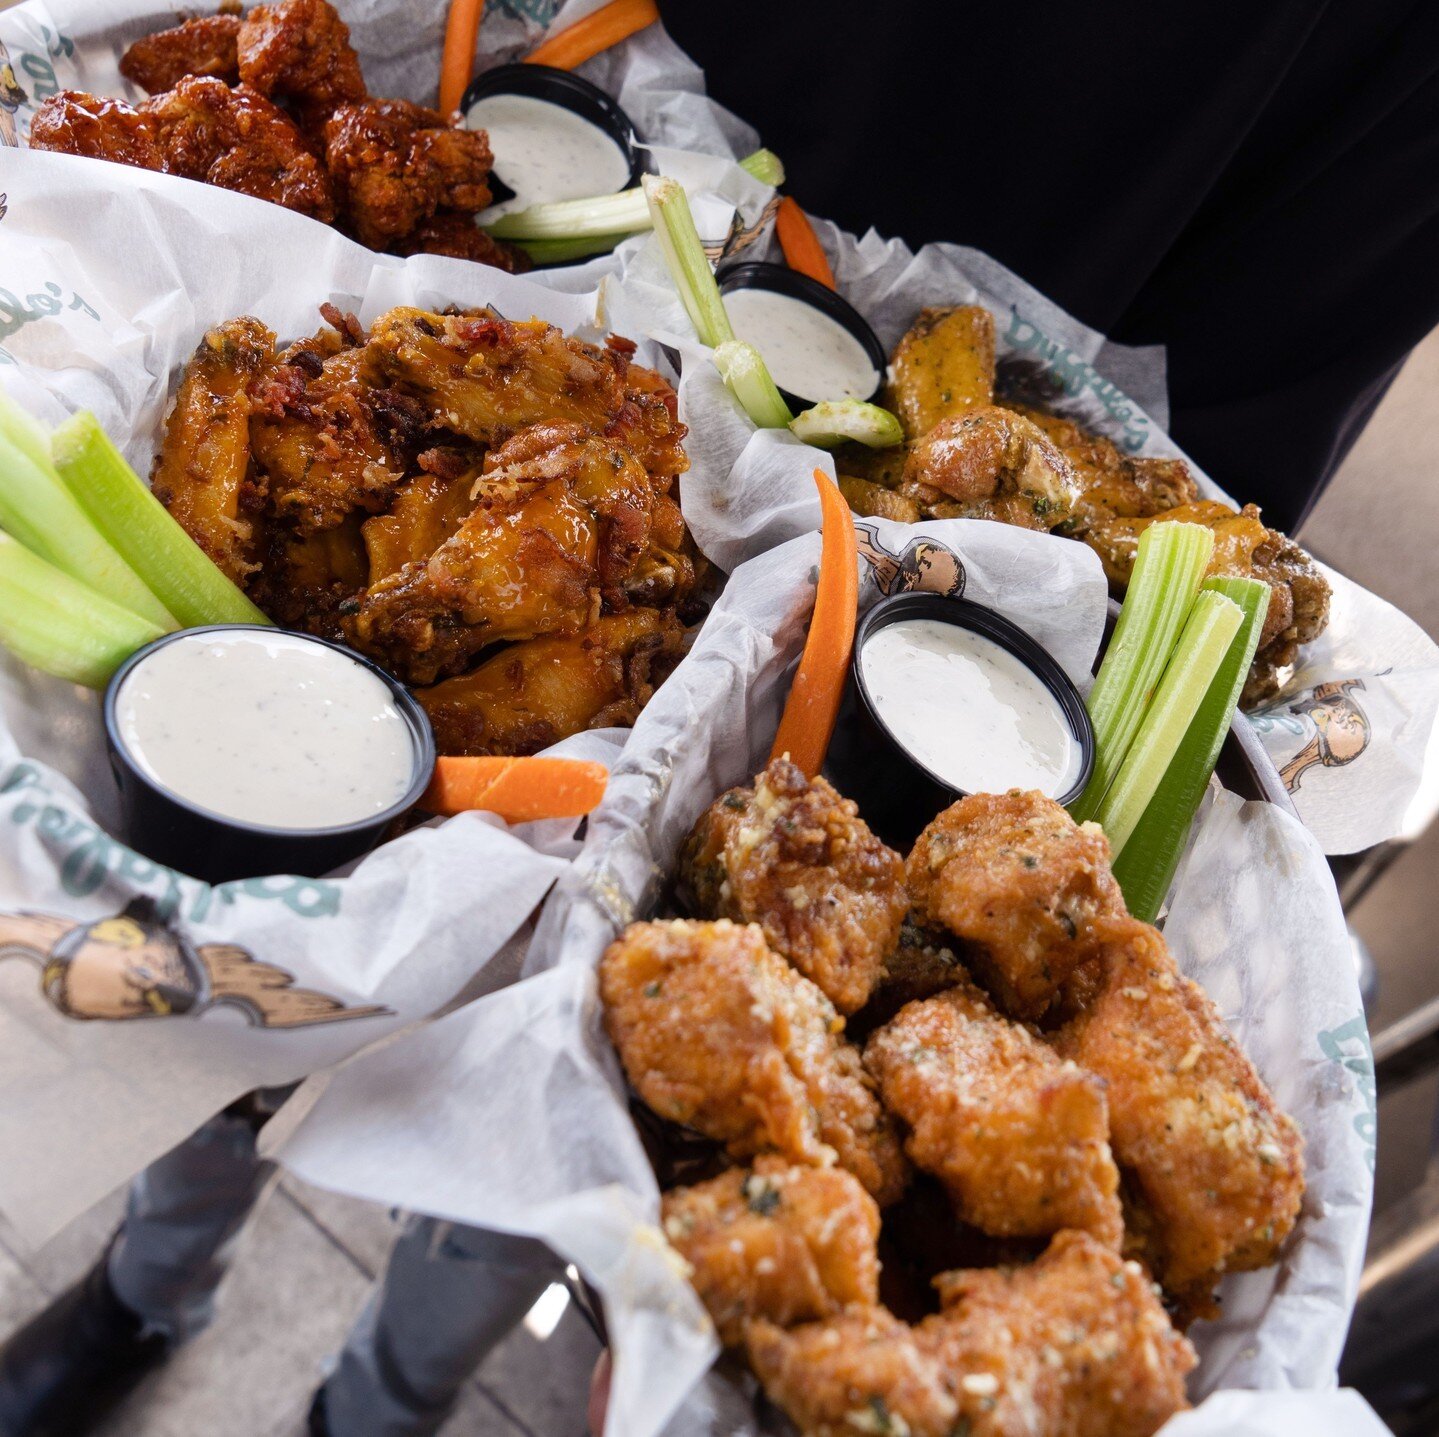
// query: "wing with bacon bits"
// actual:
[[720, 1034], [790, 1244], [1019, 1137], [1216, 1170], [793, 856], [202, 472]]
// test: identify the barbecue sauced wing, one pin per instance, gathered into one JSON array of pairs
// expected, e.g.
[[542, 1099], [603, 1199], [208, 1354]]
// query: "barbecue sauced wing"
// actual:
[[316, 436], [201, 473], [942, 367], [299, 51], [863, 1372], [789, 1244], [488, 377], [1218, 1169], [990, 463], [793, 856], [206, 45], [457, 235], [1018, 1137], [717, 1032], [1021, 883], [74, 123], [394, 164], [236, 139], [1244, 547], [560, 519], [531, 695], [1075, 1344]]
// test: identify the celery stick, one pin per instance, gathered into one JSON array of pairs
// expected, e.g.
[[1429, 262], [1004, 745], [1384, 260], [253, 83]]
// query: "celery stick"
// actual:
[[1146, 867], [835, 421], [1208, 631], [54, 623], [562, 251], [750, 382], [1167, 570], [37, 508], [137, 524], [24, 432], [623, 213], [765, 166], [689, 266]]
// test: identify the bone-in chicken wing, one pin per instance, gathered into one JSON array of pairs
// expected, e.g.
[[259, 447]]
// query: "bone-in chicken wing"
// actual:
[[1021, 883], [1244, 547], [560, 518], [394, 164], [861, 1372], [990, 463], [534, 694], [1018, 1137], [789, 1244], [1075, 1344], [719, 1033], [237, 139], [304, 581], [1218, 1169], [423, 513], [790, 854], [316, 436], [488, 377], [942, 367], [74, 123], [300, 51], [202, 469], [205, 45]]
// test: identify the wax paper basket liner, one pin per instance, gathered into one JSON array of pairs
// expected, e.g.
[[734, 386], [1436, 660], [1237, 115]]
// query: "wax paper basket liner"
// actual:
[[117, 274], [1255, 919]]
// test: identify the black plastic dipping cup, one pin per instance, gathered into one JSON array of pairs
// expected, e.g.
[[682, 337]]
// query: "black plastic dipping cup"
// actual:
[[171, 830], [559, 87], [896, 794], [780, 279]]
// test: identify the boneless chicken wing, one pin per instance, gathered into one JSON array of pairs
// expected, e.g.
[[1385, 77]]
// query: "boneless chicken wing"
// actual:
[[206, 45], [395, 164], [793, 856], [1020, 882], [74, 123], [1075, 1344], [1018, 1137], [717, 1032], [299, 50], [1215, 1168], [202, 472], [789, 1244], [863, 1372], [457, 235]]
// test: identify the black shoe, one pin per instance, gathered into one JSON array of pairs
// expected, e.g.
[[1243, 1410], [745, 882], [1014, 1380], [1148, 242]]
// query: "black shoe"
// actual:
[[73, 1363], [319, 1421]]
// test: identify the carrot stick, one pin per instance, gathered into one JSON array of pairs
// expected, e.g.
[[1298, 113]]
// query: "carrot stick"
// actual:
[[596, 32], [801, 246], [457, 63], [518, 789], [813, 704]]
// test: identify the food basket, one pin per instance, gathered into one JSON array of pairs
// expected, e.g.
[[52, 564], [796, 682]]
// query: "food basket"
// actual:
[[1254, 917]]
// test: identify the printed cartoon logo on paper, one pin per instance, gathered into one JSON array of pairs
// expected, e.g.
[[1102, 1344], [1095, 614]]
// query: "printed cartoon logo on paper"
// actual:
[[134, 965], [925, 566], [11, 98], [1341, 729]]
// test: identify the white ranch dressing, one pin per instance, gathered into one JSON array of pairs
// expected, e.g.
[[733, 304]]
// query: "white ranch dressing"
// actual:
[[546, 152], [808, 353], [266, 728], [968, 710]]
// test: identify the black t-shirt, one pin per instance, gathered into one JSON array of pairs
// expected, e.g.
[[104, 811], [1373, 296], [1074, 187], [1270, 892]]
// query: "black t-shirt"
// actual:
[[1254, 185]]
